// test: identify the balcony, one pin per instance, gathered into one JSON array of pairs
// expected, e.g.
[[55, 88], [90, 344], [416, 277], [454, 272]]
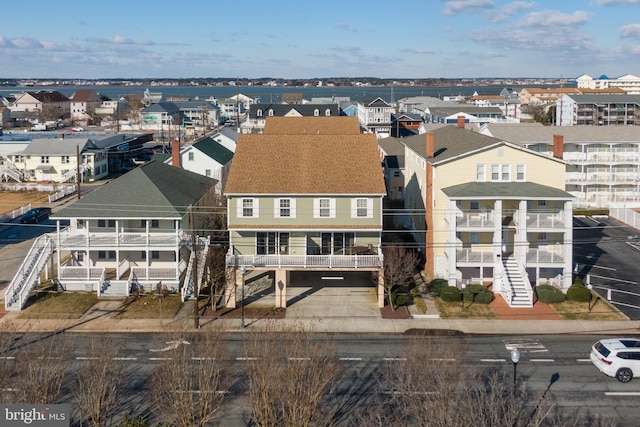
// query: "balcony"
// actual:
[[122, 240], [306, 261], [545, 220], [474, 256], [475, 219], [543, 256]]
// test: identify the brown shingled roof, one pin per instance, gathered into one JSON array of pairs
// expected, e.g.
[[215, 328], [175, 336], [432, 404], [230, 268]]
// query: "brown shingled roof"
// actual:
[[306, 164], [320, 125]]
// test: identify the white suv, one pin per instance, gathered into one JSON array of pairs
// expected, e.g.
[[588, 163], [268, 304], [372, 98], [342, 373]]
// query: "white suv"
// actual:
[[617, 357]]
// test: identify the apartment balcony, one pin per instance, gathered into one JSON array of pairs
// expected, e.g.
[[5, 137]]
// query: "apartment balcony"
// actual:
[[474, 256], [306, 261], [119, 240], [543, 257], [69, 273], [474, 220], [545, 220], [575, 177]]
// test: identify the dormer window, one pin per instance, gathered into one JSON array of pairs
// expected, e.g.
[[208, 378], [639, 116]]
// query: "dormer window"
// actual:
[[270, 112], [327, 112], [259, 113], [316, 112]]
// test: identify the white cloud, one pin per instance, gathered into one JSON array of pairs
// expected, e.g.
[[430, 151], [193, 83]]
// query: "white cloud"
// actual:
[[504, 13], [614, 2], [466, 7], [344, 27], [419, 51], [631, 31], [554, 18], [347, 49], [27, 43]]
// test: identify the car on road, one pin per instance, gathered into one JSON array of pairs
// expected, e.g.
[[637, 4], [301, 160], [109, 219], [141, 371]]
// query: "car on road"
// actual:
[[617, 357], [35, 215]]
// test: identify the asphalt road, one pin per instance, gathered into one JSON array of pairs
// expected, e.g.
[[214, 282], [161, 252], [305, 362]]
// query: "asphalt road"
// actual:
[[557, 365], [608, 251]]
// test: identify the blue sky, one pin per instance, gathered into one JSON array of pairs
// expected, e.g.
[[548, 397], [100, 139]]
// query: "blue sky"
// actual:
[[306, 39]]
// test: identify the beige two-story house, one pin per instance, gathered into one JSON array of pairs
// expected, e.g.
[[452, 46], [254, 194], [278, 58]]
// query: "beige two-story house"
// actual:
[[304, 203], [489, 211]]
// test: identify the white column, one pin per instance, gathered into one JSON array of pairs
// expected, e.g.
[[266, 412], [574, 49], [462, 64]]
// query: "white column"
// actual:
[[521, 243], [497, 246], [567, 275], [451, 243]]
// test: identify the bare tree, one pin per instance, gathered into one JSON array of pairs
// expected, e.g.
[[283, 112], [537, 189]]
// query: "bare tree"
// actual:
[[97, 383], [189, 386], [290, 377], [399, 266], [40, 370]]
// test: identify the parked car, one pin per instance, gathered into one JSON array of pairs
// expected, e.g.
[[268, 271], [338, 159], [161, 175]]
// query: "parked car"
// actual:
[[35, 215], [617, 357]]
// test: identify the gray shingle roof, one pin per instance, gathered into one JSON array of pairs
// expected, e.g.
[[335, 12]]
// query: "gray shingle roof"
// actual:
[[505, 190], [154, 190], [528, 133], [215, 150], [606, 99], [305, 110]]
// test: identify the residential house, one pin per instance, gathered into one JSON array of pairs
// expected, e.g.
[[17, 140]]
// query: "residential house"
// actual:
[[320, 125], [131, 233], [374, 115], [603, 162], [349, 108], [258, 114], [405, 124], [56, 159], [472, 114], [292, 98], [227, 137], [538, 95], [486, 210], [45, 105], [200, 115], [83, 105], [392, 158], [232, 109], [205, 157], [5, 117], [161, 116], [629, 83], [598, 110], [319, 215]]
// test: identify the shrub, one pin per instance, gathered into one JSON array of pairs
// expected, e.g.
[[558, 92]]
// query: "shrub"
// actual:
[[399, 298], [450, 293], [578, 281], [578, 293], [478, 293], [549, 294], [437, 285]]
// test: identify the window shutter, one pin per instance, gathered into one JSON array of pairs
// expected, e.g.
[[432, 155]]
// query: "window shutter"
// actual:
[[256, 208], [293, 208], [369, 208], [332, 209], [239, 207], [276, 208]]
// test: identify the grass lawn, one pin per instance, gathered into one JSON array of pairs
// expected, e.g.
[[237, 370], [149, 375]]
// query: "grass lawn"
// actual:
[[58, 305], [600, 310], [148, 306], [453, 310]]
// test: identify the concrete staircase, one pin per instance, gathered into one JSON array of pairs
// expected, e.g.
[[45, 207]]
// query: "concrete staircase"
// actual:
[[518, 290], [202, 252]]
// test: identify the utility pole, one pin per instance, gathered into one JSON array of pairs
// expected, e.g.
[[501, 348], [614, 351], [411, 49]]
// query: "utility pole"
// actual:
[[194, 271], [78, 168]]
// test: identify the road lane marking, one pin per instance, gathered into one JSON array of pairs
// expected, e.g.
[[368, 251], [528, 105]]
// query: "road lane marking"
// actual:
[[493, 360], [401, 359], [299, 358], [8, 357], [541, 360], [351, 358], [583, 360], [159, 358], [246, 358], [622, 393], [125, 358], [87, 358], [203, 358]]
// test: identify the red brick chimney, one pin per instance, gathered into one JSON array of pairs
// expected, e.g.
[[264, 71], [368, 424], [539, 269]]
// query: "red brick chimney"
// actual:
[[558, 146], [175, 153], [430, 145], [461, 122]]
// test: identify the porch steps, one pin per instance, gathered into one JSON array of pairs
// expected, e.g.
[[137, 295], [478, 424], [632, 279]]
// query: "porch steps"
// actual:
[[115, 288], [7, 172], [520, 296], [188, 286], [28, 275]]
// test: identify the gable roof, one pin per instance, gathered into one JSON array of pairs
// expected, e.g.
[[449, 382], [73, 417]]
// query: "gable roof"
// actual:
[[375, 102], [283, 109], [214, 150], [54, 146], [315, 164], [161, 107], [505, 190], [45, 96], [84, 95], [321, 125], [153, 190], [452, 142], [531, 133]]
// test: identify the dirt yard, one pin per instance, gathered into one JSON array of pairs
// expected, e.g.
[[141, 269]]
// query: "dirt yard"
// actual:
[[10, 200]]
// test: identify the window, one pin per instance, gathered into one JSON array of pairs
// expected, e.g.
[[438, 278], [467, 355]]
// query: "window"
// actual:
[[361, 208], [18, 159], [542, 237], [520, 172], [285, 208], [207, 172], [480, 171], [271, 112], [316, 112], [155, 223], [396, 174], [44, 159], [190, 156], [155, 254], [474, 238], [247, 208], [474, 205], [64, 159], [324, 208], [106, 254], [506, 173], [272, 243], [501, 172], [327, 112], [259, 113]]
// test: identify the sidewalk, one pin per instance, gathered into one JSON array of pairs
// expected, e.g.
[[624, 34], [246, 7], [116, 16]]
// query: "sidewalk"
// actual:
[[101, 319]]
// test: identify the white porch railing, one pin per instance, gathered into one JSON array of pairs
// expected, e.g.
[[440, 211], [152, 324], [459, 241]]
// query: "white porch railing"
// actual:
[[69, 239], [545, 220], [306, 261], [62, 193], [475, 219], [469, 255], [7, 172], [154, 273], [542, 256], [80, 273], [28, 275], [15, 213], [101, 282]]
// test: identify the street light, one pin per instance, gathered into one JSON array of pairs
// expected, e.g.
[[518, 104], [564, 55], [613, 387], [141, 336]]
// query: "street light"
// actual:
[[243, 270], [463, 286], [589, 286], [515, 358]]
